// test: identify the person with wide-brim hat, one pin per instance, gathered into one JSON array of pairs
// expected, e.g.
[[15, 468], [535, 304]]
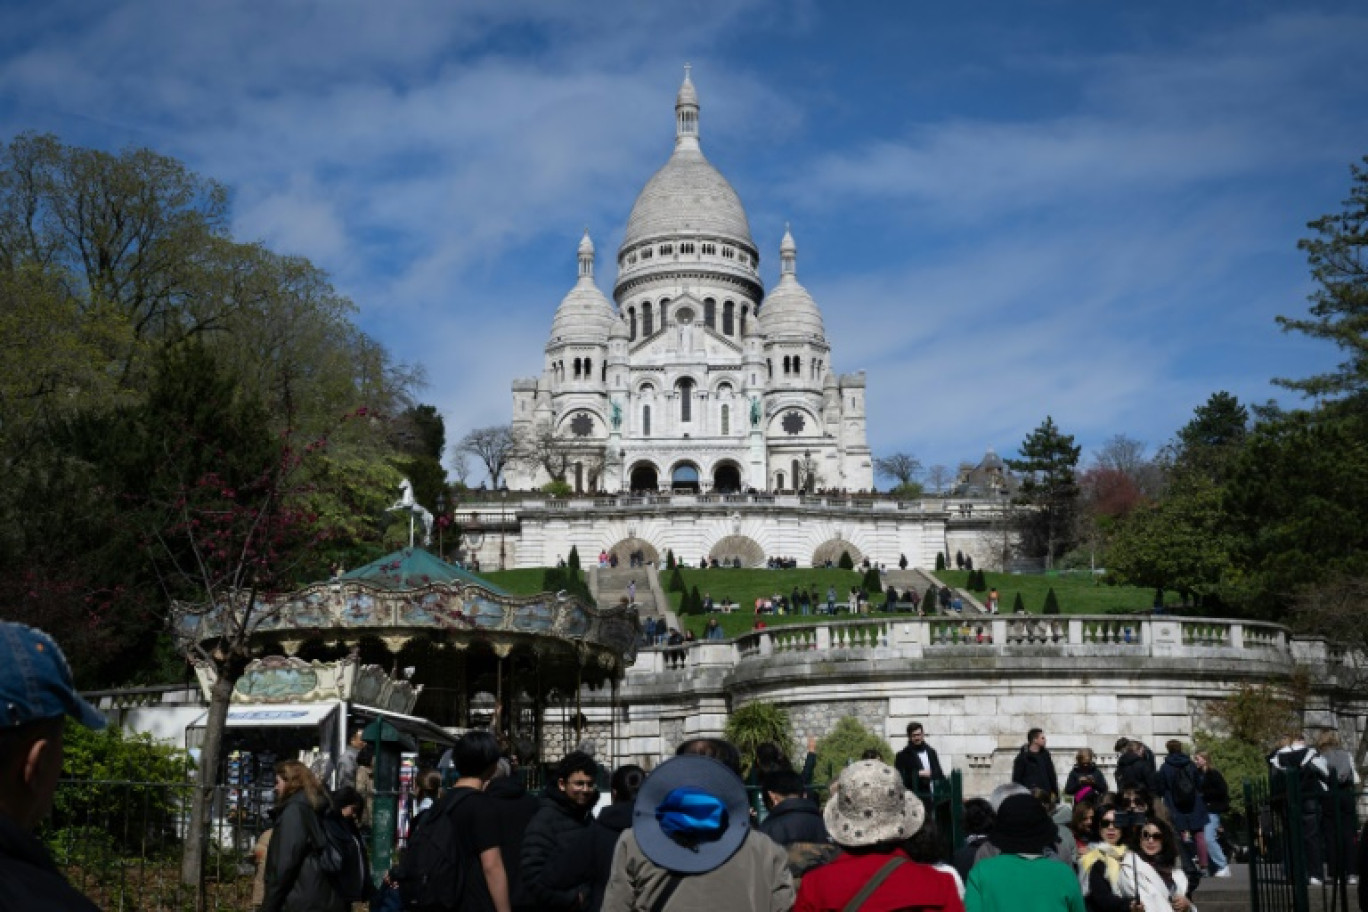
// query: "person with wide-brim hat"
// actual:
[[1023, 877], [691, 845], [870, 815]]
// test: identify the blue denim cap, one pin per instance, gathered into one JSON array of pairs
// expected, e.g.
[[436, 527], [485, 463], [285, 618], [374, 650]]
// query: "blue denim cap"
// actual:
[[35, 681]]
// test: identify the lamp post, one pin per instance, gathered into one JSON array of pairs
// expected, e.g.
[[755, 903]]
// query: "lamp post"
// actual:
[[503, 530], [441, 524], [807, 485]]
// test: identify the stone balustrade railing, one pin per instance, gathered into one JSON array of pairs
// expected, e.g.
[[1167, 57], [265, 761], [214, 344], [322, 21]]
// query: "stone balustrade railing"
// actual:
[[959, 507], [1152, 636]]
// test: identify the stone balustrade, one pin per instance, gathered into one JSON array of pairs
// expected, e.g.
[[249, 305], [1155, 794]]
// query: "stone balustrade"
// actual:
[[1000, 635]]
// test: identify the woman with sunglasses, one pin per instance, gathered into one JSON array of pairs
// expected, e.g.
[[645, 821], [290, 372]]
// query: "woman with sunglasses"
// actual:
[[1099, 869], [1158, 878]]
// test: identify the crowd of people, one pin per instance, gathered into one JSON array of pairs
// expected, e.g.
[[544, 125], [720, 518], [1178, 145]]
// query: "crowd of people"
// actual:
[[686, 835]]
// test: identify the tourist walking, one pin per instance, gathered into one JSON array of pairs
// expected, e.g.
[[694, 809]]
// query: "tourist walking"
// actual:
[[513, 809], [1100, 868], [1183, 797], [1216, 799], [1312, 772], [1085, 780], [691, 844], [295, 880], [36, 693], [567, 806], [591, 849], [1022, 877], [1034, 767], [918, 763], [870, 815], [1157, 879]]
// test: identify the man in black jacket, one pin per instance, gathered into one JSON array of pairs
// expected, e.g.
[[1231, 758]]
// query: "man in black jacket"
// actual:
[[36, 692], [918, 762], [566, 808], [1034, 767], [792, 817]]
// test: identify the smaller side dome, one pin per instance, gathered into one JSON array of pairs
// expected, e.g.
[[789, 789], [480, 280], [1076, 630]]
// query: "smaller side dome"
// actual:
[[789, 311], [584, 315], [619, 330]]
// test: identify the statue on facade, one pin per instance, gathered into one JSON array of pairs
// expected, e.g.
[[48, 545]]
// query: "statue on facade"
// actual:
[[616, 413], [755, 411]]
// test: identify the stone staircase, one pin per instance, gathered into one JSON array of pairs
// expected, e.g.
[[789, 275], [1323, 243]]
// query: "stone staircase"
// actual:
[[918, 579], [610, 585]]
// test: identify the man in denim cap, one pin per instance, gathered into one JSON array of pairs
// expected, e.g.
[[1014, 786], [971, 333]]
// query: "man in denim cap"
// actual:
[[36, 693]]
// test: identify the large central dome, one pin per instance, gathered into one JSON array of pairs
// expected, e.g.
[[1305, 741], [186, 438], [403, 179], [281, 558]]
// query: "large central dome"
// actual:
[[688, 196]]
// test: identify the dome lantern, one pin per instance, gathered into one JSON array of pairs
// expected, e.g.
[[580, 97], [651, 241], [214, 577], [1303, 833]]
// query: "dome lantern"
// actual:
[[686, 114]]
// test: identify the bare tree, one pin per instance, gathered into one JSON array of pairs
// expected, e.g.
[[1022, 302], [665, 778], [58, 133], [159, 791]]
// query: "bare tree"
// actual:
[[938, 478], [1126, 456], [494, 446], [904, 468], [459, 465], [540, 447]]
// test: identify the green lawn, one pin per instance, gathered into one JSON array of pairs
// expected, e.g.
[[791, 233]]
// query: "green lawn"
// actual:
[[744, 586], [527, 581], [1077, 593]]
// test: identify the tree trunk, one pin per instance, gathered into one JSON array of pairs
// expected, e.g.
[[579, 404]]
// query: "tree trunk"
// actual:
[[206, 777]]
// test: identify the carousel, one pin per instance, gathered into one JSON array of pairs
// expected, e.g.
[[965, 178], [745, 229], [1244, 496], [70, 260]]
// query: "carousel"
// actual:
[[453, 648]]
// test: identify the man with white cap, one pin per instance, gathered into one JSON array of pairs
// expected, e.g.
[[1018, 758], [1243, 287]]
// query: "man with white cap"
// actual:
[[36, 693]]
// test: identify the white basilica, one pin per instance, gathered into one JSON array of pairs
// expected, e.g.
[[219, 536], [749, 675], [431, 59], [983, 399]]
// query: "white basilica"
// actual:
[[697, 380]]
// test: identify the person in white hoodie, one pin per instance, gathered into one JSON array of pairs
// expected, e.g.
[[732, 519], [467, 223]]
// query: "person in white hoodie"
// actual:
[[1313, 773]]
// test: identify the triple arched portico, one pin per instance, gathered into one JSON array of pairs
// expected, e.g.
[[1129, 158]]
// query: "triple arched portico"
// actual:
[[684, 476]]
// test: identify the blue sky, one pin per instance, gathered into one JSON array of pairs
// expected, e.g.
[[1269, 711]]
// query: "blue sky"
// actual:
[[1081, 209]]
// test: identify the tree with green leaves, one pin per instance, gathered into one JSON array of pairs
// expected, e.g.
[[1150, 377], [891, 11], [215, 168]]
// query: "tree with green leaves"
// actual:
[[1051, 602], [1207, 444], [676, 581], [940, 561], [1182, 542], [1338, 256], [845, 744], [1018, 605], [1048, 485], [846, 562]]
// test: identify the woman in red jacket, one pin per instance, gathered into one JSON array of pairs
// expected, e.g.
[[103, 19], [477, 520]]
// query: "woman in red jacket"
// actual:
[[870, 815]]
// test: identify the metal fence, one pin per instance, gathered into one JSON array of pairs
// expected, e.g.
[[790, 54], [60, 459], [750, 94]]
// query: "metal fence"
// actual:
[[1301, 844]]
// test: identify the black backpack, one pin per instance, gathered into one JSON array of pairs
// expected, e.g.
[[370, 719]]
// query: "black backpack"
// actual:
[[343, 859], [1184, 789], [433, 867]]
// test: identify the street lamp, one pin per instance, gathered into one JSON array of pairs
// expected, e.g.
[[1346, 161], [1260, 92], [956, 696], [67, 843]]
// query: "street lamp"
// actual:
[[503, 523], [441, 523]]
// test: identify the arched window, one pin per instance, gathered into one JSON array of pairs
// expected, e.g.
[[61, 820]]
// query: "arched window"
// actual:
[[779, 481], [786, 366], [797, 365], [631, 313], [604, 372], [744, 311], [645, 421], [710, 313], [647, 324], [685, 388], [663, 303], [726, 420], [577, 368], [769, 369], [728, 319], [588, 369], [797, 478]]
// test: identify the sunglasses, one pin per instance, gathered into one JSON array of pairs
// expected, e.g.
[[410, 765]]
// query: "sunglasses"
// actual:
[[1109, 823], [1151, 834]]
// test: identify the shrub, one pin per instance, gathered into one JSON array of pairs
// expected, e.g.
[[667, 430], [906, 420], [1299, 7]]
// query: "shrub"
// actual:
[[676, 583], [112, 792], [845, 563], [1051, 602], [931, 600], [695, 601], [959, 560], [1018, 606], [669, 559], [574, 561], [844, 745], [755, 724], [872, 582], [968, 563], [940, 560], [559, 488]]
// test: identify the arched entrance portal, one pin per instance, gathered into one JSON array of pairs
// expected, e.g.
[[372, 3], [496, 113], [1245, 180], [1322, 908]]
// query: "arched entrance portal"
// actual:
[[727, 479], [832, 550], [738, 551], [644, 478], [685, 478]]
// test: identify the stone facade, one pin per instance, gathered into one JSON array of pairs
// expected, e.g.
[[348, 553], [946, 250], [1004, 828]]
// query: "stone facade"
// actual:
[[693, 379]]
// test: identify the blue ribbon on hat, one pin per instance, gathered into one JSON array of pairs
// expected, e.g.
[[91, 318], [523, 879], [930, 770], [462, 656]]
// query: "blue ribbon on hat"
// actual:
[[690, 816]]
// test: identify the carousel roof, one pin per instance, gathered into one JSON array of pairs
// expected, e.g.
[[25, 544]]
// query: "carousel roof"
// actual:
[[414, 568]]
